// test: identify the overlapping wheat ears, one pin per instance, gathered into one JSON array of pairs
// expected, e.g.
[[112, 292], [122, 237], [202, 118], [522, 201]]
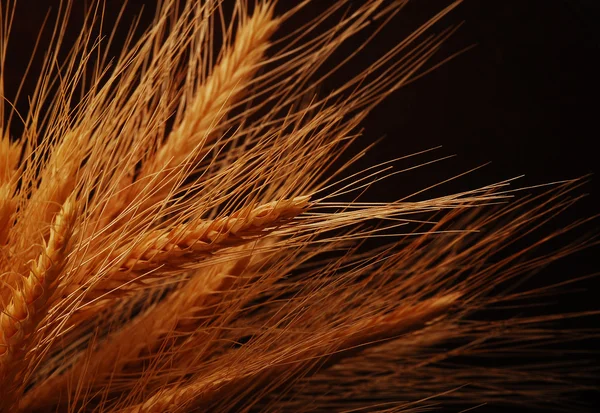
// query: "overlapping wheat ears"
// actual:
[[172, 237]]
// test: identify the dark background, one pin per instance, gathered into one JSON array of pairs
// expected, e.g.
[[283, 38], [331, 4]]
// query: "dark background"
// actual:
[[524, 98]]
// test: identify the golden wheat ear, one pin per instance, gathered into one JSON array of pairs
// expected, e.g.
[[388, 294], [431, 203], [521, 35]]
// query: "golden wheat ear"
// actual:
[[27, 306], [204, 120], [133, 266]]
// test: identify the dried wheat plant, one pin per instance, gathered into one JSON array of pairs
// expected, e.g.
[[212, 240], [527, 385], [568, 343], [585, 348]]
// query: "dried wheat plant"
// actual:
[[173, 238]]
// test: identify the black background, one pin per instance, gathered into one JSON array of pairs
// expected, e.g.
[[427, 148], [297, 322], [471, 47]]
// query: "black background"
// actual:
[[524, 98]]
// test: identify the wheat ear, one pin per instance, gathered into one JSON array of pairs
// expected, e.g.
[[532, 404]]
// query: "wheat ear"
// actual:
[[28, 304], [186, 243], [222, 89], [183, 244], [202, 123]]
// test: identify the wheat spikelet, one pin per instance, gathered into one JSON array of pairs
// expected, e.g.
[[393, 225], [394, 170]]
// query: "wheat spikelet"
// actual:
[[179, 230]]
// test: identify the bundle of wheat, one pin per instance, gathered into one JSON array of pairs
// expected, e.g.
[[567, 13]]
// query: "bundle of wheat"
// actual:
[[173, 237]]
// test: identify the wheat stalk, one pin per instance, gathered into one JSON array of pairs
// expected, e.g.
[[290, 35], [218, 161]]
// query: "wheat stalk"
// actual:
[[176, 232]]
